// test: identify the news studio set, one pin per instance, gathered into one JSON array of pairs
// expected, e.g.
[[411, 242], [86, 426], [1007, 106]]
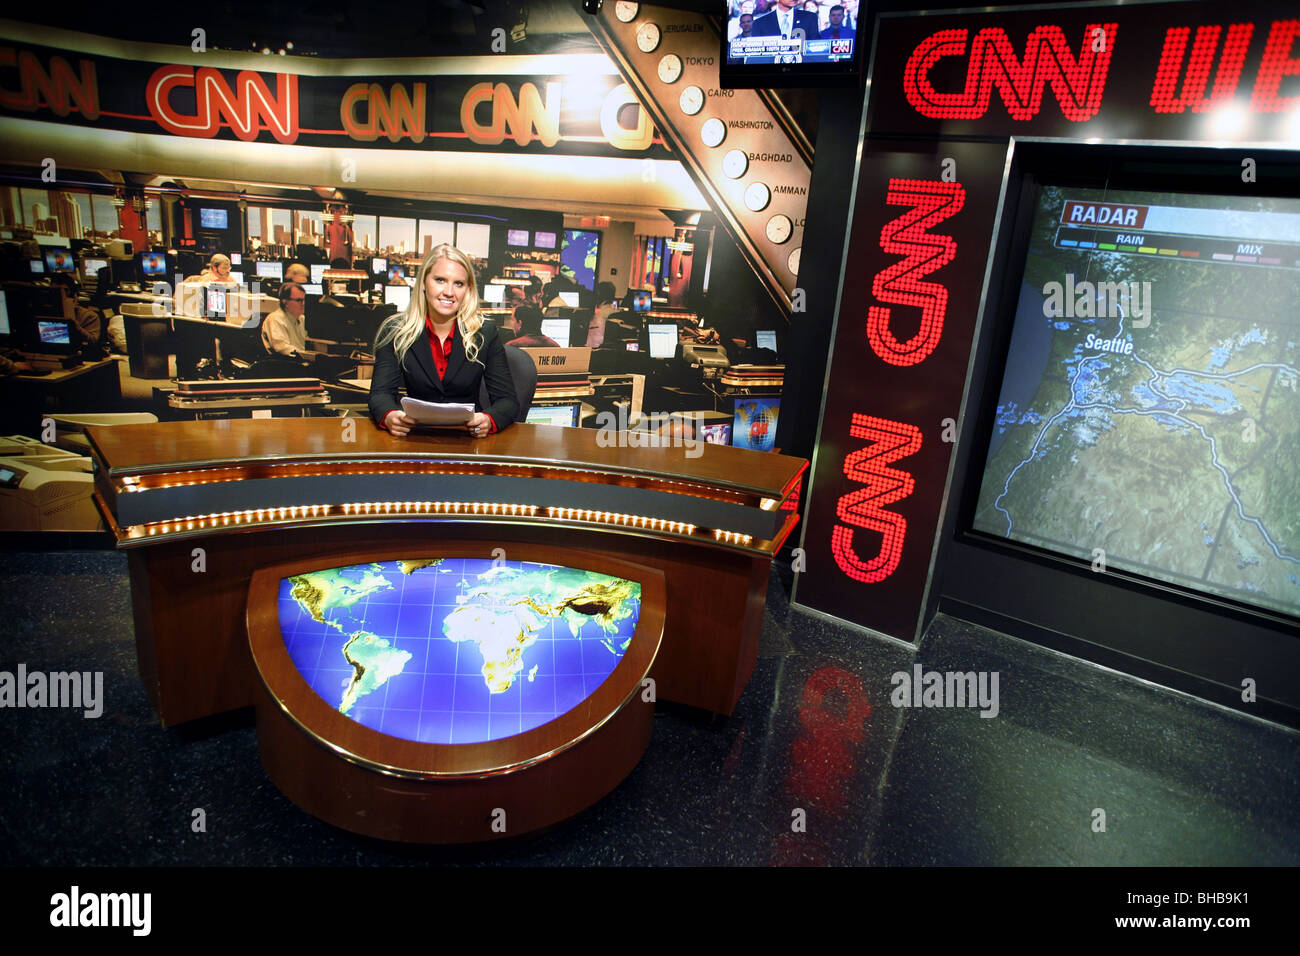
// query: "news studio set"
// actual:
[[840, 433]]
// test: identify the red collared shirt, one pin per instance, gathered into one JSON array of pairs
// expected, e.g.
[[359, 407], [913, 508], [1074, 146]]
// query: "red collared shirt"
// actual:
[[442, 353]]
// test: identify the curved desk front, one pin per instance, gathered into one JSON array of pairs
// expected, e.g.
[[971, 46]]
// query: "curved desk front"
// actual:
[[201, 506]]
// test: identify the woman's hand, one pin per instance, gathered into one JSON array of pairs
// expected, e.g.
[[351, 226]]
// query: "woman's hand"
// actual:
[[399, 423], [479, 425]]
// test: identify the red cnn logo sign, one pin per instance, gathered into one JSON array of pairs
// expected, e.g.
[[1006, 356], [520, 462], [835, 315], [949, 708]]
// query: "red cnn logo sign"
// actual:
[[1077, 81], [902, 283], [247, 109]]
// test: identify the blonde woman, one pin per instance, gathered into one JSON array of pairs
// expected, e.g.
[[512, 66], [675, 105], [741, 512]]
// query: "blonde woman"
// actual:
[[440, 349]]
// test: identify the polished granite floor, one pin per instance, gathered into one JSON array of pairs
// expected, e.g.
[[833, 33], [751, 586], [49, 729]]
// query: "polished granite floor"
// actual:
[[815, 767]]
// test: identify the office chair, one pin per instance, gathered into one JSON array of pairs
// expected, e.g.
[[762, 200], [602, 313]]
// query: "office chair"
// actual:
[[524, 374]]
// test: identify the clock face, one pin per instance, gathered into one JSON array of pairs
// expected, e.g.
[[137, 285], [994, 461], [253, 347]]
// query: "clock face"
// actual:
[[779, 228], [625, 11], [691, 100], [735, 163], [757, 196], [793, 261], [670, 68], [713, 132], [647, 37]]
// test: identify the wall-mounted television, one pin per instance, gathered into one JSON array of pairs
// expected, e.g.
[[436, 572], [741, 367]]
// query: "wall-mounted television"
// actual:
[[516, 237], [213, 218], [792, 46], [580, 251], [544, 240]]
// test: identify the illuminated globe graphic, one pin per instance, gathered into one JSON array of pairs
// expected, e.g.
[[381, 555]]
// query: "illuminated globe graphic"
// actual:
[[456, 650], [755, 425]]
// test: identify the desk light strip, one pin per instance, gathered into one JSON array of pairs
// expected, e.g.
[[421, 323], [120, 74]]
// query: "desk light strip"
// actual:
[[253, 516]]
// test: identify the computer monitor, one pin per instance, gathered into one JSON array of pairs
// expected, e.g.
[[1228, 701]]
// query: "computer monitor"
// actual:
[[632, 346], [378, 265], [557, 329], [516, 237], [270, 270], [766, 339], [396, 272], [663, 340], [568, 416], [313, 288], [236, 259], [4, 315], [38, 265], [214, 302], [753, 423], [544, 240], [716, 433], [570, 299], [494, 293], [642, 301], [318, 271], [398, 295], [152, 264], [52, 334], [213, 218], [90, 268], [59, 259]]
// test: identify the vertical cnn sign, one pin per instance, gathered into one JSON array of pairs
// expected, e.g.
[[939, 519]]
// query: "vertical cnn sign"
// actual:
[[918, 246]]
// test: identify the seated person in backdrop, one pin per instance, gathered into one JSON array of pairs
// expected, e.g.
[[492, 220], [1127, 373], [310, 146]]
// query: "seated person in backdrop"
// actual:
[[527, 323], [297, 272], [837, 30], [440, 348], [218, 270], [284, 332], [89, 321], [606, 305], [564, 282], [533, 292]]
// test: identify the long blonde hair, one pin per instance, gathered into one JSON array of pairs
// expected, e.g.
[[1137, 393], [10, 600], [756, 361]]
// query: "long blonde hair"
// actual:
[[404, 328]]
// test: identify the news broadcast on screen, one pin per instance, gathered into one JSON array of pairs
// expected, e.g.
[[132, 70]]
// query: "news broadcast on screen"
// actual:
[[790, 31]]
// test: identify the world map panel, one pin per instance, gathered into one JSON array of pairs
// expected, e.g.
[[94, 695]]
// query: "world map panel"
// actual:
[[456, 650]]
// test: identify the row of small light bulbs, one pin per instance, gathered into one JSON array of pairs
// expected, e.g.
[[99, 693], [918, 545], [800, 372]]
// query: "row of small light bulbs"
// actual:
[[256, 515], [131, 483]]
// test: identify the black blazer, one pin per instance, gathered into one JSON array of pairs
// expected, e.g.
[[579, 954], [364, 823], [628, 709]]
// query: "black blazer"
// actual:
[[461, 384]]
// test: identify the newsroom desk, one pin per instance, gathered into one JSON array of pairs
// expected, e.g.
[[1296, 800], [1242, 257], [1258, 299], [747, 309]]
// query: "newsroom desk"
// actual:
[[199, 507], [88, 387]]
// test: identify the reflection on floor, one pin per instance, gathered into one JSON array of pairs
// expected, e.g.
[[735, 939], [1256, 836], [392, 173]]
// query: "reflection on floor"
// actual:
[[816, 766]]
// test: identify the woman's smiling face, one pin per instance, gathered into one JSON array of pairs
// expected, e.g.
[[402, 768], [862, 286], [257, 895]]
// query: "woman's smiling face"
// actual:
[[445, 285]]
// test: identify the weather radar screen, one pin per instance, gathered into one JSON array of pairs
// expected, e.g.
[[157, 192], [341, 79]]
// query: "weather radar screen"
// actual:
[[456, 650], [1149, 414]]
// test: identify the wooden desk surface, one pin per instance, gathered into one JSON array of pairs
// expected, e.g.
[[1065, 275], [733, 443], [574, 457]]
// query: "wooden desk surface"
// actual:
[[63, 374], [140, 449]]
